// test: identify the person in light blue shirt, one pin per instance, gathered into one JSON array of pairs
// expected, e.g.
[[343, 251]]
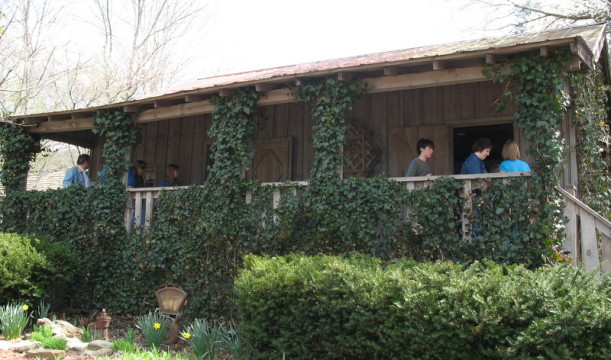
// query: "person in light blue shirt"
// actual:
[[474, 164], [78, 173], [511, 157]]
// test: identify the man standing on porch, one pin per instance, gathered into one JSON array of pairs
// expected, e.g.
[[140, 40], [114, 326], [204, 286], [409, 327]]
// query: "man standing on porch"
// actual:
[[418, 166], [78, 173], [474, 164]]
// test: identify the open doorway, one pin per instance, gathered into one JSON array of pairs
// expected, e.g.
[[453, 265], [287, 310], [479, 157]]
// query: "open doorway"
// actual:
[[464, 137]]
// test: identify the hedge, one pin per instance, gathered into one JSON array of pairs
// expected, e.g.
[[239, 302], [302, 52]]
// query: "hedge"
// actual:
[[326, 307], [33, 268]]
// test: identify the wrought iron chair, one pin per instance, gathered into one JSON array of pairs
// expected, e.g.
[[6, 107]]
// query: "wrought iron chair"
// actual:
[[171, 300]]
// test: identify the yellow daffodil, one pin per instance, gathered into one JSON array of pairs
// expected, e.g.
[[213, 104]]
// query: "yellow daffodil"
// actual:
[[157, 325], [602, 123], [186, 335], [25, 307]]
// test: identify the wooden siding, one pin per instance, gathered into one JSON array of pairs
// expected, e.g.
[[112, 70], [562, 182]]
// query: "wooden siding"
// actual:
[[394, 119]]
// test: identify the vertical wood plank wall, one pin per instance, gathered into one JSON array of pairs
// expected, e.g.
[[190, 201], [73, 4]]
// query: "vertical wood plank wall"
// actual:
[[430, 112]]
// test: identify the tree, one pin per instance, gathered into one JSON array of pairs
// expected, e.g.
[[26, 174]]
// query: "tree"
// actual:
[[47, 63], [539, 14]]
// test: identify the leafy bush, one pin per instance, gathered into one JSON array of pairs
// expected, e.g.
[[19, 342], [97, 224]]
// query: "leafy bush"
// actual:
[[360, 308], [13, 320], [33, 268]]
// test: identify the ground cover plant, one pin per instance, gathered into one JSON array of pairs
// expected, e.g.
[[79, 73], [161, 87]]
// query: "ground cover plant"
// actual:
[[327, 307]]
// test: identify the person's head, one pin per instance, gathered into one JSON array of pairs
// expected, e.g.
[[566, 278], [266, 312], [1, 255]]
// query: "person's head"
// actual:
[[171, 172], [140, 166], [83, 161], [511, 151], [481, 148], [425, 146]]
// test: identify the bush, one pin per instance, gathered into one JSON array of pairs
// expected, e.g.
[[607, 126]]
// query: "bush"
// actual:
[[360, 308], [33, 268]]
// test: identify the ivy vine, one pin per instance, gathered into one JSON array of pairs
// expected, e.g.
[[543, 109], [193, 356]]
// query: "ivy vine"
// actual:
[[593, 139], [16, 152], [537, 86], [120, 133]]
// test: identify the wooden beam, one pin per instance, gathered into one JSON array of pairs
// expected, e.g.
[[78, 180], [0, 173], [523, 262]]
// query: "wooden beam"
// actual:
[[194, 98], [544, 51], [224, 92], [166, 102], [345, 76], [575, 63], [491, 59], [579, 49], [439, 65], [131, 108], [58, 117], [391, 71], [63, 126], [265, 87], [81, 115], [283, 96]]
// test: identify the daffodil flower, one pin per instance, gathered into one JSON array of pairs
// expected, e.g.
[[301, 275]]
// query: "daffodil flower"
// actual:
[[25, 307], [157, 325], [186, 335]]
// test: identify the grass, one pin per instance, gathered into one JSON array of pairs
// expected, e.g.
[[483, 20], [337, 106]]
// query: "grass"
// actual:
[[45, 336]]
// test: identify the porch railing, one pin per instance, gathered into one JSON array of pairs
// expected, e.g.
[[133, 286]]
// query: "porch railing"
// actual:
[[588, 234], [141, 212]]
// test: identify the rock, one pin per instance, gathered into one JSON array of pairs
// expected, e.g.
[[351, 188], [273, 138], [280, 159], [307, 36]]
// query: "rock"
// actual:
[[69, 330], [26, 345], [46, 354], [99, 344], [100, 353], [5, 344], [61, 329], [75, 344]]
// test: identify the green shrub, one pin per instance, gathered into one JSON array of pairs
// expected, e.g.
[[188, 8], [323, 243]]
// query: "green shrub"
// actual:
[[18, 263], [33, 268], [204, 338], [360, 308]]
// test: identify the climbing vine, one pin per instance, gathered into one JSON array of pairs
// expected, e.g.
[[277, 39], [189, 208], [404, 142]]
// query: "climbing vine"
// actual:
[[537, 85], [121, 134], [16, 152], [593, 139]]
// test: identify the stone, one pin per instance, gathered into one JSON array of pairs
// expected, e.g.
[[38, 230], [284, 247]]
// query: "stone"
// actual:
[[46, 354], [26, 345], [5, 345], [69, 330], [99, 344], [75, 344]]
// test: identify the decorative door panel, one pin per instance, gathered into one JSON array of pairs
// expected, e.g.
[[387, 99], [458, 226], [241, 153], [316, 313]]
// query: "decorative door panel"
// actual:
[[272, 160]]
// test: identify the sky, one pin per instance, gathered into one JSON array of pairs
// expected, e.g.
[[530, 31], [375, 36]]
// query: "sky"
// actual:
[[243, 35]]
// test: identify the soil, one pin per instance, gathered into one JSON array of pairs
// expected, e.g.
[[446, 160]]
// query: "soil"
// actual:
[[117, 330]]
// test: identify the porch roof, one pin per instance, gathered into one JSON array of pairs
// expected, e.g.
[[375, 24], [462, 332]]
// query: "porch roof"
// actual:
[[426, 66]]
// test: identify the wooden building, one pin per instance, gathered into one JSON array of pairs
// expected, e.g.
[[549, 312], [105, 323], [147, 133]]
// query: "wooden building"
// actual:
[[436, 92]]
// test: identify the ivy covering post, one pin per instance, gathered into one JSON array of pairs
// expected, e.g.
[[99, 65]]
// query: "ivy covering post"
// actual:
[[590, 121], [537, 85], [16, 152]]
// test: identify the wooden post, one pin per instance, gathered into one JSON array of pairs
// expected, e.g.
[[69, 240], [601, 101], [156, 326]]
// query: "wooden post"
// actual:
[[570, 242], [138, 209], [148, 215], [589, 248]]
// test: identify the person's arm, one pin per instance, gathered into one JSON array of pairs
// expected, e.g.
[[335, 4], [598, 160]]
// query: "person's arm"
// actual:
[[69, 178], [131, 177], [411, 169]]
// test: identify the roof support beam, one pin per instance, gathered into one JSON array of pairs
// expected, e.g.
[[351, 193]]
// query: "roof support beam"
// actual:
[[439, 65], [264, 87], [391, 71], [194, 98], [345, 76], [491, 59], [131, 108], [284, 95]]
